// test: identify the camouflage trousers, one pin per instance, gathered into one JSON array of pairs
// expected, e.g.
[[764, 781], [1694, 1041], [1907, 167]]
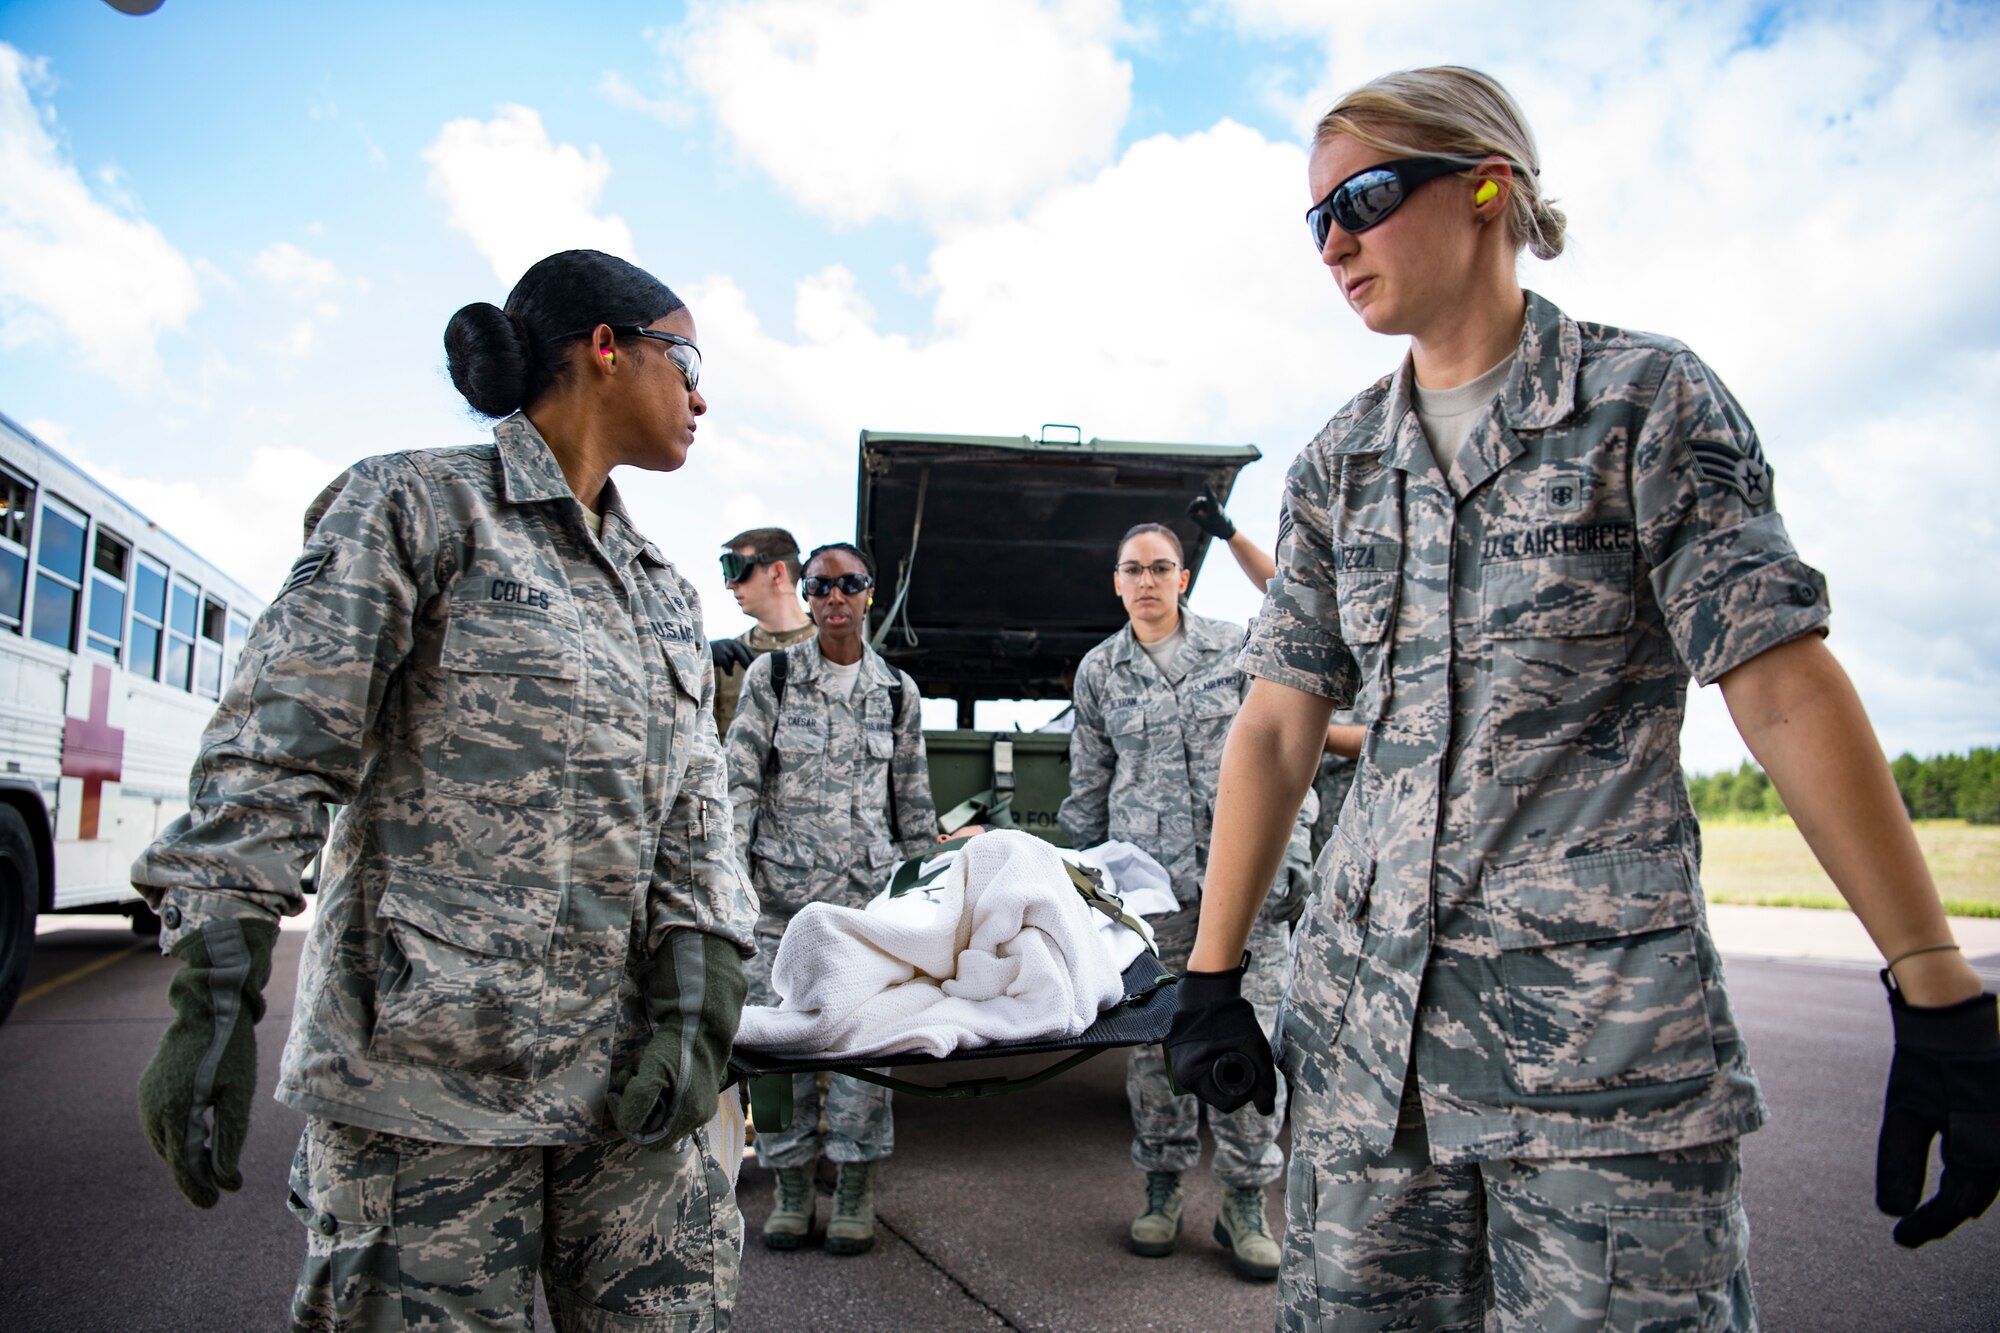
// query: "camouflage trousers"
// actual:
[[1167, 1126], [407, 1234], [859, 1123], [1653, 1241]]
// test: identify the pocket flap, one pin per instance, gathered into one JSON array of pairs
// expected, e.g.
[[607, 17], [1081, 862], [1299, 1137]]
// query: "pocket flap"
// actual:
[[1537, 904], [505, 642], [1125, 722], [779, 850], [687, 668], [1558, 599], [1677, 1249], [1125, 823], [500, 920]]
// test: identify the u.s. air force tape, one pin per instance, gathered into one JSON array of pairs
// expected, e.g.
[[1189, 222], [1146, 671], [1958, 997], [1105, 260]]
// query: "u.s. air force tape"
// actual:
[[305, 569]]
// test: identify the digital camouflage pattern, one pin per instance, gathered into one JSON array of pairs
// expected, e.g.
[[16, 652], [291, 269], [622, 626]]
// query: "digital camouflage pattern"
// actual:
[[817, 829], [515, 716], [1330, 787], [1167, 1125], [729, 684], [1146, 752], [1145, 756], [1519, 850], [402, 1233], [1656, 1242]]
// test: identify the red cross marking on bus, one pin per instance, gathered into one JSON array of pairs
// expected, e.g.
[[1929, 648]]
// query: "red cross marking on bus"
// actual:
[[94, 750]]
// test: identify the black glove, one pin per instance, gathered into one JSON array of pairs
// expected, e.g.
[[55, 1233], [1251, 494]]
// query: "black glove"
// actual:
[[695, 999], [208, 1057], [1216, 1047], [729, 655], [1208, 516], [1944, 1080]]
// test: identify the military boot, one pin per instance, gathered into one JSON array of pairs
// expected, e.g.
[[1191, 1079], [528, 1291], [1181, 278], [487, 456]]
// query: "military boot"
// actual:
[[1240, 1228], [851, 1229], [791, 1219], [1155, 1230]]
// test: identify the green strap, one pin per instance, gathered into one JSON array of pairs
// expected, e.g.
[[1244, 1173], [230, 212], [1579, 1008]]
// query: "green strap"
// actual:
[[1090, 885], [907, 876]]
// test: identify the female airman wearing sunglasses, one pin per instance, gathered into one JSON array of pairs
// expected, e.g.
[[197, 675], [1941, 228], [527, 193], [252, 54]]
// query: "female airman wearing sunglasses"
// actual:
[[1517, 1086], [1153, 705], [831, 789]]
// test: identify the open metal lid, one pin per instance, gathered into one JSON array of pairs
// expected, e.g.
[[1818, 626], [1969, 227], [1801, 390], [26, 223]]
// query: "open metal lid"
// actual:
[[994, 553]]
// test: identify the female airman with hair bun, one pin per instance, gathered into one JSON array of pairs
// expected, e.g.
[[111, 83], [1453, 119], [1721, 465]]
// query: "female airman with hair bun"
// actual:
[[1517, 1083]]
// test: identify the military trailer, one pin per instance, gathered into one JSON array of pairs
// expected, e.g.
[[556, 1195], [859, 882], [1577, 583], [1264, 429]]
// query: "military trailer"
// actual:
[[993, 557]]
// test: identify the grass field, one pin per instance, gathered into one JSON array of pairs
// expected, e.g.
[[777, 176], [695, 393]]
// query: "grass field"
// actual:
[[1755, 860]]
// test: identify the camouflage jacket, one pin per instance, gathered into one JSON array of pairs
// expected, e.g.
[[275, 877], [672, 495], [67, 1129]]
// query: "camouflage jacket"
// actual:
[[1511, 899], [729, 684], [1146, 751], [810, 784], [515, 717]]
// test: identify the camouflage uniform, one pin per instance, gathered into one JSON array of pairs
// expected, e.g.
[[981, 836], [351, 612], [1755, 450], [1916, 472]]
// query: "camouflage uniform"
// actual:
[[514, 715], [1508, 917], [1330, 788], [810, 789], [1144, 758], [729, 684]]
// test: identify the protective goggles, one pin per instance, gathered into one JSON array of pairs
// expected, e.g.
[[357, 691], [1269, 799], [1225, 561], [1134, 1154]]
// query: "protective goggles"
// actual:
[[1373, 193], [683, 353], [851, 584], [736, 568]]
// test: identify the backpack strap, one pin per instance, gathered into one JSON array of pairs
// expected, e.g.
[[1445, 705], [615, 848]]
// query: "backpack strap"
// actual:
[[895, 719], [781, 663]]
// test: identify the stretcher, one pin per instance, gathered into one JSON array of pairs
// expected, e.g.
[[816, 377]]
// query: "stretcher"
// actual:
[[1141, 1018]]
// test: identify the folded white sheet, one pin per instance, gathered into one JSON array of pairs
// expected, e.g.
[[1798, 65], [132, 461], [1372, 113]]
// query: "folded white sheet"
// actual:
[[999, 948]]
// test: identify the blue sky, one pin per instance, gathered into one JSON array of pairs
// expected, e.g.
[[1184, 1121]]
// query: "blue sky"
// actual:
[[232, 235]]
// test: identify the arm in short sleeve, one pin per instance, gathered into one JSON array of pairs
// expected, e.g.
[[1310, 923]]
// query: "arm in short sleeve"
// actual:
[[294, 726], [1086, 812], [1721, 564], [699, 882], [749, 752], [1295, 639]]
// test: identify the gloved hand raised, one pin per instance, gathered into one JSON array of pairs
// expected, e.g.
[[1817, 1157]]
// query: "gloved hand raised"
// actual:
[[208, 1057], [695, 999], [730, 655], [1216, 1047], [1943, 1080], [1207, 514]]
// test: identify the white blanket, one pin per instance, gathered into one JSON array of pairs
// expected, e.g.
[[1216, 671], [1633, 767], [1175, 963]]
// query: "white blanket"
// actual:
[[999, 948]]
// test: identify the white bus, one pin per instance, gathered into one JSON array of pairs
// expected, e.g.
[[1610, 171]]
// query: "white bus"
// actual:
[[115, 641]]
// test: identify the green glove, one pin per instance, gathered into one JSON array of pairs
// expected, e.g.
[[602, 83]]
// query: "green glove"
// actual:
[[207, 1061], [695, 999]]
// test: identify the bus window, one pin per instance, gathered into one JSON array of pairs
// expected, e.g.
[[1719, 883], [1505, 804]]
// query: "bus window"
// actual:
[[214, 626], [17, 502], [239, 634], [149, 616], [58, 574], [184, 612], [110, 567]]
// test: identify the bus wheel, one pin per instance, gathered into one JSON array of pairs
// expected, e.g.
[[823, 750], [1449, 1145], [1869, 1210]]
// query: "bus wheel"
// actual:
[[20, 890]]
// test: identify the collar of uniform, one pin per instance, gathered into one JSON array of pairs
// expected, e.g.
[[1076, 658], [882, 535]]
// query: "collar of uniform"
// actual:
[[528, 467], [620, 538], [808, 662], [1202, 635], [1540, 393]]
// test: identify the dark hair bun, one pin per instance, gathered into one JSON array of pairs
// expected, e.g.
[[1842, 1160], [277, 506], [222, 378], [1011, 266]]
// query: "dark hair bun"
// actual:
[[489, 359]]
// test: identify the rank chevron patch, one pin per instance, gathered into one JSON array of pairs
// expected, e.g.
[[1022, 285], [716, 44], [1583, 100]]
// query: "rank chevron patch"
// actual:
[[1742, 470]]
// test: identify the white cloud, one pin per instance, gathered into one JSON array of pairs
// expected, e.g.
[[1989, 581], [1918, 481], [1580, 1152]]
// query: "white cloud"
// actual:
[[72, 264], [867, 109], [301, 274], [519, 197], [670, 111]]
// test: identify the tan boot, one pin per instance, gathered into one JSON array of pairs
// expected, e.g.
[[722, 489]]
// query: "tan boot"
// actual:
[[851, 1229], [791, 1219], [1155, 1230], [1242, 1230]]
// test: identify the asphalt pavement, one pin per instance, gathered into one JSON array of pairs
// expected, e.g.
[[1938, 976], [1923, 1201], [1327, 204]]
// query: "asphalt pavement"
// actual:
[[995, 1214]]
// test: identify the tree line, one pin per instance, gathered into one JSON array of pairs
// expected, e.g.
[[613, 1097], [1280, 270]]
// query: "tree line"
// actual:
[[1946, 786]]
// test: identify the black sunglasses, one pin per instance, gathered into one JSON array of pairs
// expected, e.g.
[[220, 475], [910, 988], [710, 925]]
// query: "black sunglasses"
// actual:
[[736, 568], [1373, 193], [853, 585], [681, 351]]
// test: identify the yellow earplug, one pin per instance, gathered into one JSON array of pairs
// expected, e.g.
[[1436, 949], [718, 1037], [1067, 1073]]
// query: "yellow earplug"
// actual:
[[1486, 192]]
